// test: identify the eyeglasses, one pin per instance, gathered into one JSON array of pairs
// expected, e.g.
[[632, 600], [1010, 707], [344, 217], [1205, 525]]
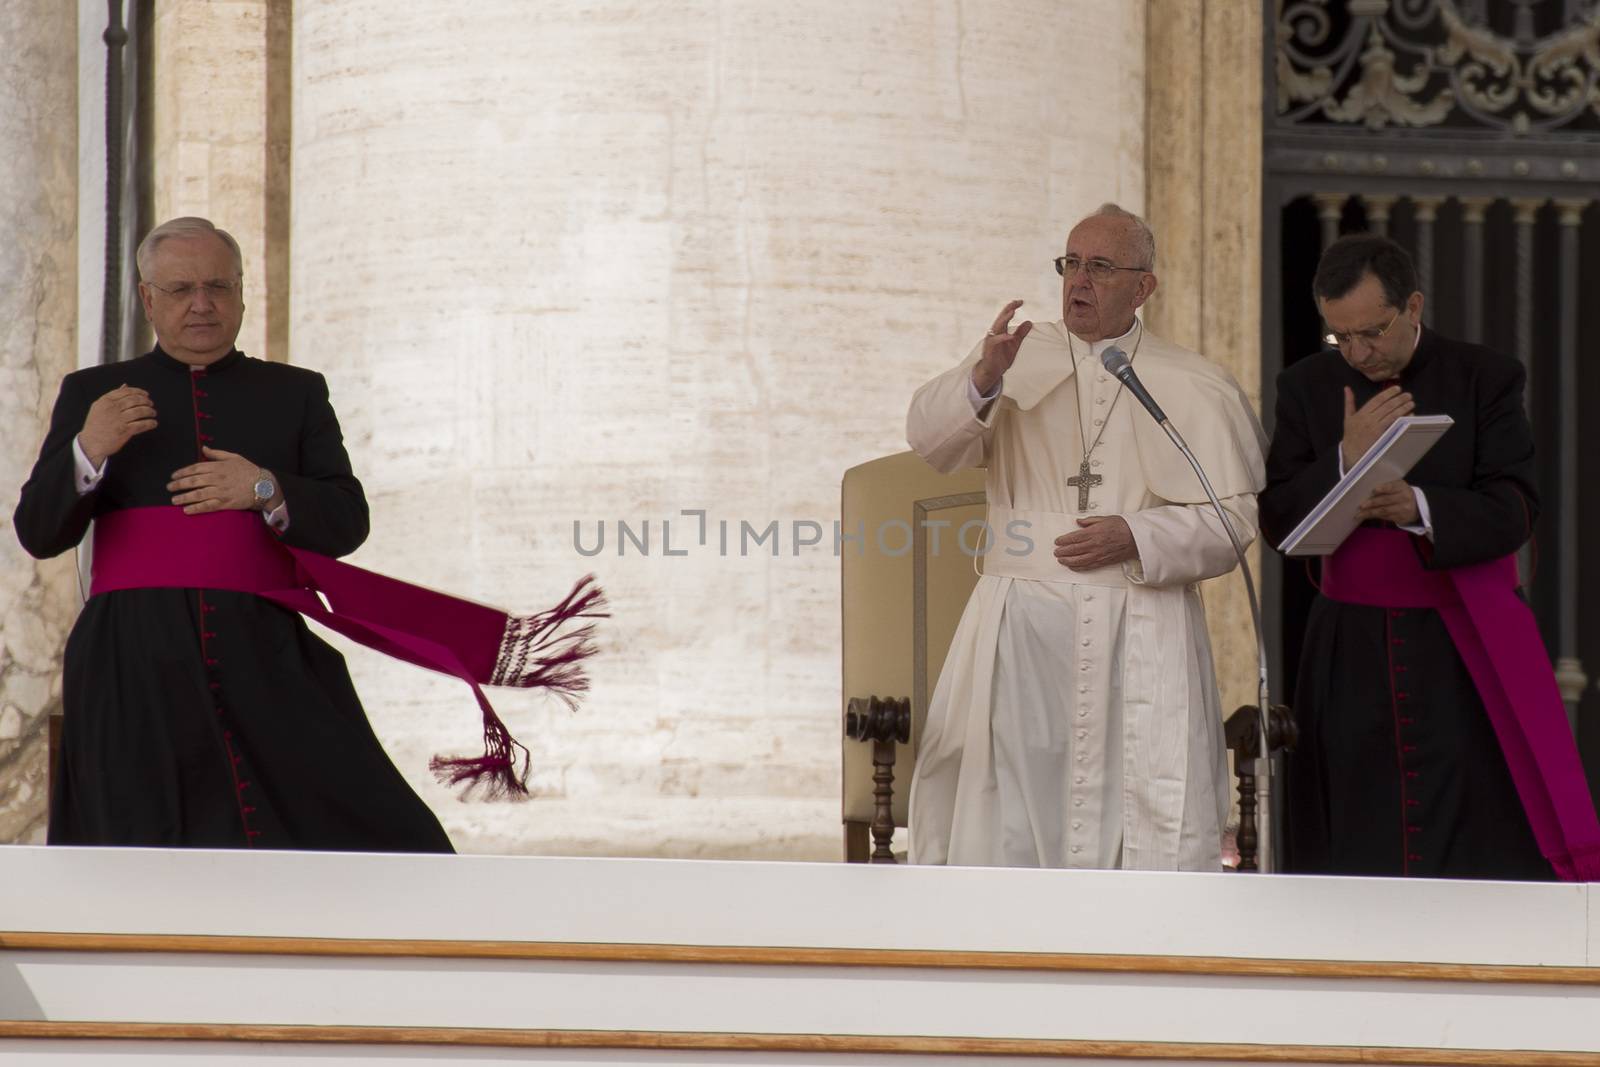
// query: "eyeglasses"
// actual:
[[1370, 336], [218, 289], [1098, 270]]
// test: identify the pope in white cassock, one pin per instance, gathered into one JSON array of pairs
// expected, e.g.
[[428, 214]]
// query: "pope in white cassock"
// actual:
[[1077, 722]]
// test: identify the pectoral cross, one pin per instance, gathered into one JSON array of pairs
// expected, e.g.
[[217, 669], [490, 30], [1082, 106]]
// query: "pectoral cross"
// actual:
[[1085, 482]]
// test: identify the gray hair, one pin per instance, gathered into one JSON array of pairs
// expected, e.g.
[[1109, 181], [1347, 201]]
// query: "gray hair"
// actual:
[[1144, 241], [187, 226]]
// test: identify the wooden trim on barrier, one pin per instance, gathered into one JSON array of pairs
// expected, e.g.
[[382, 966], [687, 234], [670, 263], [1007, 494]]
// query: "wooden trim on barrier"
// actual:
[[1212, 966], [838, 1044]]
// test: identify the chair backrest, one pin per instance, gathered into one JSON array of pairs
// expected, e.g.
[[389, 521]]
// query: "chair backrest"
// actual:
[[905, 584]]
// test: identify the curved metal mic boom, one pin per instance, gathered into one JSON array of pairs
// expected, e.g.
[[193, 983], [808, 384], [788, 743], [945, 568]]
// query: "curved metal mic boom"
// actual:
[[1116, 362]]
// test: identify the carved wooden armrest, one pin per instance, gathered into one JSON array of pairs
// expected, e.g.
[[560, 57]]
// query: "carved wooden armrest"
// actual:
[[1242, 731], [886, 723]]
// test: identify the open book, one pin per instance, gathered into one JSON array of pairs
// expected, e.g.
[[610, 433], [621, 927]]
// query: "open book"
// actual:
[[1391, 457]]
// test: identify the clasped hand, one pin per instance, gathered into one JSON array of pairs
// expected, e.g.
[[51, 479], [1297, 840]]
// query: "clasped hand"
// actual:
[[225, 482], [1392, 502], [1103, 540]]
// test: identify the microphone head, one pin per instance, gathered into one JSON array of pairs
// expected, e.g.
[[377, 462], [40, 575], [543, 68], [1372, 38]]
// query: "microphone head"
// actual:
[[1115, 360]]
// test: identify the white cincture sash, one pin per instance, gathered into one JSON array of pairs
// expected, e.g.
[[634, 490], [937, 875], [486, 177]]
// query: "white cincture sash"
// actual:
[[1010, 556]]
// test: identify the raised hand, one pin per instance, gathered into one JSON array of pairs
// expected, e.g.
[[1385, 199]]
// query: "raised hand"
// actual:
[[1363, 427], [999, 348], [114, 420]]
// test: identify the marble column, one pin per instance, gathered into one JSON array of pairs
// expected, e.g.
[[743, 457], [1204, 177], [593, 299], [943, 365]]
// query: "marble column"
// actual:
[[38, 316], [1203, 170], [1570, 674], [1427, 216], [220, 141], [565, 264], [1473, 211], [1524, 213], [1330, 212], [1379, 208]]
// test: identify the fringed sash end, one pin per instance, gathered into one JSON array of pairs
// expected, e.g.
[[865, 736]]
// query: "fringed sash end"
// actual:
[[540, 651], [501, 773], [536, 651]]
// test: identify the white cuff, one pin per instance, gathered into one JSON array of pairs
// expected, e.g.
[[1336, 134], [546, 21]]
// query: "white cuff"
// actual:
[[1425, 527], [278, 517], [85, 479], [977, 399]]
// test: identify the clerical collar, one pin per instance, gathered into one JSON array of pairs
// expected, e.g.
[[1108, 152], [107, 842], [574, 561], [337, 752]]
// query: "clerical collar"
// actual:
[[163, 358], [1422, 353], [1101, 345], [1417, 349]]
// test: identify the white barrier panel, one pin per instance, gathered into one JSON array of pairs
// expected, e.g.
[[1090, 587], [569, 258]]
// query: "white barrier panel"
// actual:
[[130, 955]]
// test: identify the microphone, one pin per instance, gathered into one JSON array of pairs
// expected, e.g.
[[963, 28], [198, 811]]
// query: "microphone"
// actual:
[[1117, 363], [1119, 366]]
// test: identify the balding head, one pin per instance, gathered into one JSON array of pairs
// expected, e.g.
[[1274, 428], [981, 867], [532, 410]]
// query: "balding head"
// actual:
[[187, 226], [189, 284], [1107, 273]]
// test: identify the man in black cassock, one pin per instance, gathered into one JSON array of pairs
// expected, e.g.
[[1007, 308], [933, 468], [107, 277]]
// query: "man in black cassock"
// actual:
[[202, 717], [1398, 770]]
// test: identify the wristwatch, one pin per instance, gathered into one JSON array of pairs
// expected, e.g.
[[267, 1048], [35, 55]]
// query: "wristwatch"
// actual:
[[265, 487]]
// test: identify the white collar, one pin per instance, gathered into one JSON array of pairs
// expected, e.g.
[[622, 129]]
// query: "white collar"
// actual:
[[1104, 343]]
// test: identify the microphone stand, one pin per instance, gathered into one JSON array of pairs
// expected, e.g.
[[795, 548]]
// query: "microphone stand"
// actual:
[[1266, 853]]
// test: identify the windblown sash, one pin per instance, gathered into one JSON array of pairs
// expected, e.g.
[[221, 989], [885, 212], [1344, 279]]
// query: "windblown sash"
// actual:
[[161, 547], [1482, 612]]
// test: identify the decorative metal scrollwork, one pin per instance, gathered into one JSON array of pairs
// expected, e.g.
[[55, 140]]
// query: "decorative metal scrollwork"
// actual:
[[1534, 66]]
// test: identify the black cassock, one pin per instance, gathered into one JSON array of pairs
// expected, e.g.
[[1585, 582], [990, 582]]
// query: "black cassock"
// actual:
[[202, 717], [1398, 770]]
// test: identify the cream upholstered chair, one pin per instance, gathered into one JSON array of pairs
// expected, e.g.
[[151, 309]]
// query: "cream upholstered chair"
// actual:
[[905, 583]]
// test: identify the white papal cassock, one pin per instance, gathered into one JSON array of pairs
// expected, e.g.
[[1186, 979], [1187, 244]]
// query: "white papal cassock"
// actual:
[[1077, 722]]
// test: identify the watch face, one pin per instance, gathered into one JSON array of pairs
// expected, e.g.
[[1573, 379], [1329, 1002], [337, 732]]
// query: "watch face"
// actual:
[[265, 489]]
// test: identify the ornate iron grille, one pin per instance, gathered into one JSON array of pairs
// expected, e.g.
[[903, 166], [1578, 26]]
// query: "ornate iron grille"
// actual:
[[1515, 66]]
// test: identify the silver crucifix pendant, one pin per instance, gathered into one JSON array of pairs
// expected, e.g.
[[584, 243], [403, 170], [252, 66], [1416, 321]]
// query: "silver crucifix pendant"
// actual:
[[1084, 482]]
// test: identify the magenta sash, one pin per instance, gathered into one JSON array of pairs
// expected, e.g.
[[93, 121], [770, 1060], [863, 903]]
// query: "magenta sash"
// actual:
[[161, 547], [1481, 611]]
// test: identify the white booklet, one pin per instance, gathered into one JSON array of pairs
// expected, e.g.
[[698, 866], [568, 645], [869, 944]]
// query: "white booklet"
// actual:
[[1391, 457]]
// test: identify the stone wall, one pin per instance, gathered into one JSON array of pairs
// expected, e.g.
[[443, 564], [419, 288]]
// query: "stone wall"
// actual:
[[566, 263], [220, 141], [1204, 171], [38, 315]]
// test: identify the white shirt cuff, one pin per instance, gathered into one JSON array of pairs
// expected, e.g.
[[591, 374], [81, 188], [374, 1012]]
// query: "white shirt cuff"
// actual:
[[278, 517], [85, 479], [977, 399], [1425, 527]]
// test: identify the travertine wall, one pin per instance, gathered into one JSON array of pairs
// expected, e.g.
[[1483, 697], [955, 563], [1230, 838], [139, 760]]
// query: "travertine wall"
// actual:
[[573, 263], [220, 140], [1203, 104], [38, 314]]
